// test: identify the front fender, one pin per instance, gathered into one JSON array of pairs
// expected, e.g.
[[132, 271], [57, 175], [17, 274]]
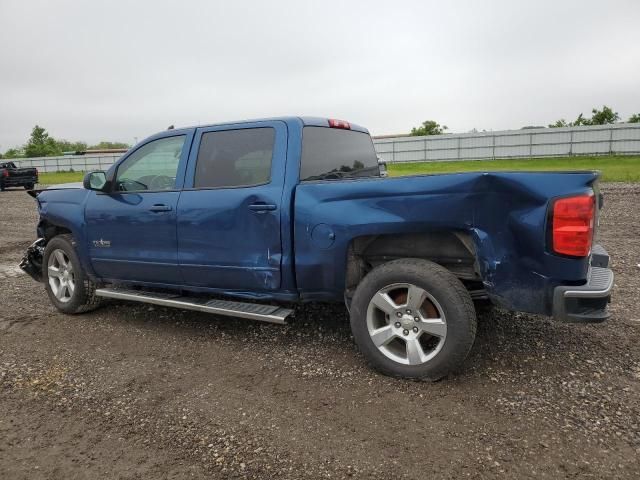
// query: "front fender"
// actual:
[[64, 209]]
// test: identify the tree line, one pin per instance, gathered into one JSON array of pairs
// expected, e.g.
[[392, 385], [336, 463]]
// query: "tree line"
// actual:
[[604, 116], [41, 144]]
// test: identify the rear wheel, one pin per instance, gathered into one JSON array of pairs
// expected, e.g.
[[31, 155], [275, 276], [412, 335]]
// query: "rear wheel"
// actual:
[[68, 287], [412, 318], [28, 186]]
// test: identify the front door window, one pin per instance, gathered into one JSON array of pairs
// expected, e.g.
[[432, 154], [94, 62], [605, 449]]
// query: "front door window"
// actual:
[[153, 167]]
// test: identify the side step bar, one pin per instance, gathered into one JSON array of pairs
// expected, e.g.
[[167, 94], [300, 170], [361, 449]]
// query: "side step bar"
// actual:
[[251, 311]]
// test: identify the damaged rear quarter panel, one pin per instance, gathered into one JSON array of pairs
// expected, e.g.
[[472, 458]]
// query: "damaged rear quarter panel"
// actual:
[[505, 214]]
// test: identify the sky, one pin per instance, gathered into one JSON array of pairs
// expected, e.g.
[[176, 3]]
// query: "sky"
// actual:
[[122, 70]]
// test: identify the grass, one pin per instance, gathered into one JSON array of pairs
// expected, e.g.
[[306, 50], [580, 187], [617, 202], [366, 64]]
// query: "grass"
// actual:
[[614, 168], [53, 178]]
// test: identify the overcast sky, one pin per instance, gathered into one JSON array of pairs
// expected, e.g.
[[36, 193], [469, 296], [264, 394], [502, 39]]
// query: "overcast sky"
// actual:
[[119, 70]]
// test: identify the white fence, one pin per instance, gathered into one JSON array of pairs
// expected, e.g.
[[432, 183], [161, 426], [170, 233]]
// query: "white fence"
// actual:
[[77, 163], [619, 139], [622, 139]]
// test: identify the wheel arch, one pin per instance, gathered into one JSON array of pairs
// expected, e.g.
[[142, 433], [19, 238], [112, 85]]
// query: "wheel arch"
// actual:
[[452, 249], [50, 228]]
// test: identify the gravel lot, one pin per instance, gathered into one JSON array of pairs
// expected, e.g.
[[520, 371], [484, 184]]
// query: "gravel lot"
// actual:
[[132, 391]]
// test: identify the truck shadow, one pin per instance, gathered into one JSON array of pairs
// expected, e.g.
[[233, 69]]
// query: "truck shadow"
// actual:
[[516, 343]]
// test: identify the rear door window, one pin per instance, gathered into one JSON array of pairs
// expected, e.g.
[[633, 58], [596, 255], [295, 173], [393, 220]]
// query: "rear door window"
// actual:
[[331, 153], [235, 158]]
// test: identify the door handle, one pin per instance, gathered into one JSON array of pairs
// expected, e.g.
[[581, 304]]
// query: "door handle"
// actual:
[[262, 207], [158, 207]]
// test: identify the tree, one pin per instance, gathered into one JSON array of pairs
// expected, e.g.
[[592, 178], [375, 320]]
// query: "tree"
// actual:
[[598, 117], [604, 116], [635, 118], [559, 124], [581, 121], [14, 153], [428, 127], [40, 144], [67, 146], [108, 146]]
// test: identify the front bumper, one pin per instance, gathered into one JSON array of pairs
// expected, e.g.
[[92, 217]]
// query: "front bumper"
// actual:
[[32, 261], [586, 303]]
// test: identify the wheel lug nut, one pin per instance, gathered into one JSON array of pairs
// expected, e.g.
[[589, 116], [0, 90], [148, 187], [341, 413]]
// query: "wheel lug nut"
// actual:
[[406, 332], [415, 329], [408, 311], [398, 314], [397, 324], [417, 319]]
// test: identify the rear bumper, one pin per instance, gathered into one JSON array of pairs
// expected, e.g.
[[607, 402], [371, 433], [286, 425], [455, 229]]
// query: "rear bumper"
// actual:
[[19, 181], [586, 303]]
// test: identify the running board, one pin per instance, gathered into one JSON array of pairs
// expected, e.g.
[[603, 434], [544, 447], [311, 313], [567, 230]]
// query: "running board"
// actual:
[[251, 311]]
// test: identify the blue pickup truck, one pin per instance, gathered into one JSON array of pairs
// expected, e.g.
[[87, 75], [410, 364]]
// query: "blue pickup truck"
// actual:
[[244, 218]]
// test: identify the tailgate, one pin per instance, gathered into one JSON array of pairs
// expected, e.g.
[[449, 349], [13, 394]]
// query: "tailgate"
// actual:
[[19, 173]]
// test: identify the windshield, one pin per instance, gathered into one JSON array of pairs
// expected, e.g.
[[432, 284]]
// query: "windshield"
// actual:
[[331, 153]]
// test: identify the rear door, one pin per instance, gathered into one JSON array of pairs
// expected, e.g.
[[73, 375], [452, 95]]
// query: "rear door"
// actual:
[[229, 211]]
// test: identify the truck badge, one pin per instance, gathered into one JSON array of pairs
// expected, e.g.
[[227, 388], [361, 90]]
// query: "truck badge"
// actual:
[[102, 243]]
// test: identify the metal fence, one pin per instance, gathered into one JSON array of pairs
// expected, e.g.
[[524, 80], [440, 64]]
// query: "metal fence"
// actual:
[[79, 163], [620, 139]]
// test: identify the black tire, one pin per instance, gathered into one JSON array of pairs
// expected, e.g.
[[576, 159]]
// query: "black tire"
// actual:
[[2, 187], [28, 187], [83, 298], [451, 297]]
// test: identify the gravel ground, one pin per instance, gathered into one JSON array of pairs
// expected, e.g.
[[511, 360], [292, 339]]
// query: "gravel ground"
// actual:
[[132, 391]]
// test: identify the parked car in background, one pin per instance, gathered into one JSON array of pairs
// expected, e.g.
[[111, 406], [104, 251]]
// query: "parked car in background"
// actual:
[[12, 176], [267, 212]]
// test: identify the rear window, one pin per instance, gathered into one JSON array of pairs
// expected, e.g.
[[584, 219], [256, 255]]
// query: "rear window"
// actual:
[[331, 153]]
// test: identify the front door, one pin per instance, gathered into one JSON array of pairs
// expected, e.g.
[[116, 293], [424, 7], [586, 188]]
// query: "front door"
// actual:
[[132, 230], [229, 211]]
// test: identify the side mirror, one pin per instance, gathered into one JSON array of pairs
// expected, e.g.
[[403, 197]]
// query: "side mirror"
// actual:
[[95, 181], [383, 167]]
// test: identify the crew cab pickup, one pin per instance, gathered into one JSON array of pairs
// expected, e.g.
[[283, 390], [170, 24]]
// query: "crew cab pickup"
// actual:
[[245, 218], [12, 176]]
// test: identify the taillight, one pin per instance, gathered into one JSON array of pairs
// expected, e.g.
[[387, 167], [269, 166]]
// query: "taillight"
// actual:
[[5, 173], [333, 123], [572, 225]]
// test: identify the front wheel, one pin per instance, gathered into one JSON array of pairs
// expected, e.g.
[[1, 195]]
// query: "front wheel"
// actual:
[[412, 318], [68, 287]]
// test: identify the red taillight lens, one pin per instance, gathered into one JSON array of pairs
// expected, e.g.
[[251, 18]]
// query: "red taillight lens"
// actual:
[[333, 123], [5, 173], [572, 225]]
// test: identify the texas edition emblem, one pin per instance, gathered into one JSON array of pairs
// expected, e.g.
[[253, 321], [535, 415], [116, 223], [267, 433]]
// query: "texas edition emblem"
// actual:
[[102, 243]]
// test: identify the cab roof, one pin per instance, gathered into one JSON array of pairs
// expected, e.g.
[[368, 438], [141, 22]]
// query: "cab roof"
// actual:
[[306, 121]]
